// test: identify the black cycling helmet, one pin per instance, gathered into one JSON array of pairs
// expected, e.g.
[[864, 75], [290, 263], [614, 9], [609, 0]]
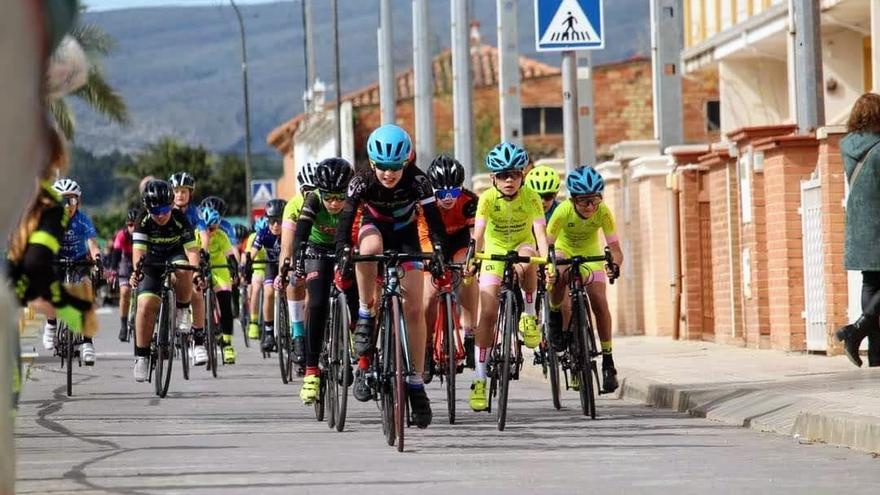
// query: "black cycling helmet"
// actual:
[[157, 193], [215, 202], [445, 172], [332, 175], [182, 179], [132, 215], [275, 208], [241, 231]]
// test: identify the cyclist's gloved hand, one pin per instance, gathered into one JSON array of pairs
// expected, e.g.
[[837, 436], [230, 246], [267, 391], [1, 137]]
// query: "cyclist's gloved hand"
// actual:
[[73, 317], [437, 264]]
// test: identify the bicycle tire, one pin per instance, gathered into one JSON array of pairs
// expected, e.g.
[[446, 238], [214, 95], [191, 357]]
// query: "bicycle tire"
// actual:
[[320, 405], [553, 372], [243, 316], [183, 343], [68, 346], [165, 350], [342, 361], [400, 415], [509, 333], [584, 369], [282, 336], [451, 364], [386, 384], [329, 384], [210, 337]]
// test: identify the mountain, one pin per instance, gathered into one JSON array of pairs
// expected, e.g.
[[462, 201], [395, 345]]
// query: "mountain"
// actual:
[[179, 68]]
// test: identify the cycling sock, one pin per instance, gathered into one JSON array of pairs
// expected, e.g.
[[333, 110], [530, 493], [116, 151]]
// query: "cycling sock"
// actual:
[[255, 317], [364, 313], [467, 332], [480, 362], [269, 327], [311, 370], [181, 305], [52, 322], [606, 347], [124, 322], [415, 381], [529, 299], [142, 352], [297, 316]]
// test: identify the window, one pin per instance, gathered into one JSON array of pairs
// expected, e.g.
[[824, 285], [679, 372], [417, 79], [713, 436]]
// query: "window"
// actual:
[[713, 116], [542, 121]]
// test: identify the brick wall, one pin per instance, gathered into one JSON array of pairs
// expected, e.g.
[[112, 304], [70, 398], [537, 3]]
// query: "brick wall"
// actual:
[[654, 299], [829, 165], [613, 198]]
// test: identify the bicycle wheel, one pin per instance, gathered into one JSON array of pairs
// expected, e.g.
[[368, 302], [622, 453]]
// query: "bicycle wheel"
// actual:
[[210, 329], [385, 368], [183, 345], [165, 348], [282, 337], [451, 364], [551, 359], [585, 367], [320, 405], [341, 361], [243, 316], [508, 327], [329, 385], [400, 414], [65, 337]]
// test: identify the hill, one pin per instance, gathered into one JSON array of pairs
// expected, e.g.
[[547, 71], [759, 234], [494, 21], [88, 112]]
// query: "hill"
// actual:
[[179, 67]]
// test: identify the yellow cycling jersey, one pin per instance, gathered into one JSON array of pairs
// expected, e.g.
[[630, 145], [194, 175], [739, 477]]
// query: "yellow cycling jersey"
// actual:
[[509, 222], [291, 212], [579, 236], [218, 247]]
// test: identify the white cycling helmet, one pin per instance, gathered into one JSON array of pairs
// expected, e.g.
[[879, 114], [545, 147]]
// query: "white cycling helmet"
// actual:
[[67, 186]]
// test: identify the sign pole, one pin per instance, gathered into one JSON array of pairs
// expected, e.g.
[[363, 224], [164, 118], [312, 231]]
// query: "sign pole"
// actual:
[[570, 110]]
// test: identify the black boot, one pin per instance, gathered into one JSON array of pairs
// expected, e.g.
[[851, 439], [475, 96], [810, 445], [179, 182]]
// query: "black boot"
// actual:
[[609, 374], [852, 335], [874, 350]]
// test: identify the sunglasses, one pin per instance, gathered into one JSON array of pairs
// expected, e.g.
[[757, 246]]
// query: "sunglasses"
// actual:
[[71, 201], [274, 221], [388, 167], [548, 196], [587, 200], [333, 196], [509, 175], [129, 224], [160, 210], [444, 194]]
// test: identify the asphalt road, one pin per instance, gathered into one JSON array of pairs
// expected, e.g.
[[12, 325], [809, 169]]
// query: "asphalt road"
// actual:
[[247, 432]]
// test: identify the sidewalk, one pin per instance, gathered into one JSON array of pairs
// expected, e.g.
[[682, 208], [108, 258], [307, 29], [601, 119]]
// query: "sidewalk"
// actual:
[[812, 397]]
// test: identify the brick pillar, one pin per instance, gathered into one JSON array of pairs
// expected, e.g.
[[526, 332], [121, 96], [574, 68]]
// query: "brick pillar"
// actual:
[[829, 166], [688, 182], [613, 197], [756, 308], [723, 193], [787, 161]]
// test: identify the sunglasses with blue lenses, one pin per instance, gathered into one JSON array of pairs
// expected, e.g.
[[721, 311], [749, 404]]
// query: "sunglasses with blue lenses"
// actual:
[[385, 167], [160, 210], [444, 194]]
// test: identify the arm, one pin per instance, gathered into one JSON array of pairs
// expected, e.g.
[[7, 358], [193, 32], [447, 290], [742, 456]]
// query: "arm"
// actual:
[[346, 220], [94, 250]]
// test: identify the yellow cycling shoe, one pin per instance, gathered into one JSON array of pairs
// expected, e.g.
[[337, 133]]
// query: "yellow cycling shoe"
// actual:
[[479, 399], [310, 388], [575, 383], [228, 354], [253, 331], [528, 326]]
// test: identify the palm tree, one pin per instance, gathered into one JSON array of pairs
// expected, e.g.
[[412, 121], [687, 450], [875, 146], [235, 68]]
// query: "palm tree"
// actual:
[[97, 92]]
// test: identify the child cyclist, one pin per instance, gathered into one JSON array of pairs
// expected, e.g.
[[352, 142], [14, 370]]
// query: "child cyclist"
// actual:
[[389, 192], [296, 294], [315, 233], [220, 252], [268, 239], [545, 181], [457, 206], [507, 215], [257, 276], [574, 228]]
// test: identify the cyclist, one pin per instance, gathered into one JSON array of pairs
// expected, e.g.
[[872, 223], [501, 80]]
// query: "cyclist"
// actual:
[[257, 276], [79, 243], [121, 268], [507, 216], [458, 206], [545, 181], [219, 205], [574, 228], [160, 235], [268, 239], [389, 192], [220, 252], [296, 293], [315, 232], [241, 233], [184, 185]]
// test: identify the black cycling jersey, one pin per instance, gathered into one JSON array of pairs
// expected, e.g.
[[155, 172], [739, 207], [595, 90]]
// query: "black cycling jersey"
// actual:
[[394, 207], [163, 241]]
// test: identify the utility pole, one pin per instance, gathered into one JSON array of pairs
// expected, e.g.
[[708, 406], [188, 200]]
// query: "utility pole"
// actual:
[[875, 46], [570, 110], [586, 127], [462, 91], [423, 82], [667, 43], [309, 45], [338, 82], [508, 72], [247, 113], [809, 90], [387, 99]]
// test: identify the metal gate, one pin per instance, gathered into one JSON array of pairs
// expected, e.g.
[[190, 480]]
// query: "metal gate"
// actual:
[[814, 259]]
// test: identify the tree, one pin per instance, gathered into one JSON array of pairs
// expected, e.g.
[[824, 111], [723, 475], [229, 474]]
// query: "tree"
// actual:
[[97, 92]]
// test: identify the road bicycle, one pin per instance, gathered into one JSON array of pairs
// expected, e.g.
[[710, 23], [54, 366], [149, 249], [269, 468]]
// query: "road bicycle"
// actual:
[[67, 342]]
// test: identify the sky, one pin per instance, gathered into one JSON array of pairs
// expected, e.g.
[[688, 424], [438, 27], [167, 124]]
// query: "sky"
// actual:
[[96, 5]]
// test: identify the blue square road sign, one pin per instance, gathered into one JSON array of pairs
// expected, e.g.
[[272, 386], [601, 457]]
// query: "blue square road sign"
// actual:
[[569, 25]]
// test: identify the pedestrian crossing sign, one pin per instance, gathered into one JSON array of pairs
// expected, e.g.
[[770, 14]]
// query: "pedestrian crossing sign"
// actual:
[[569, 25], [262, 191]]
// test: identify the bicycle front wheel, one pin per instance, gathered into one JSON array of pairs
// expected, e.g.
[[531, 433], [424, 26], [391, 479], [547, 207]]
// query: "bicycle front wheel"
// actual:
[[400, 415], [451, 348], [164, 348], [282, 336], [508, 328], [243, 313], [585, 359], [210, 332], [385, 373], [183, 345], [65, 337]]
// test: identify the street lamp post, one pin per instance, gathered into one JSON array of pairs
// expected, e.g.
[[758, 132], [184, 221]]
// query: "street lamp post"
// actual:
[[247, 112]]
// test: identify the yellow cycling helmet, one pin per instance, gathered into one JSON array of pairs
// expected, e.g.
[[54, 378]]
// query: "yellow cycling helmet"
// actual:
[[543, 180]]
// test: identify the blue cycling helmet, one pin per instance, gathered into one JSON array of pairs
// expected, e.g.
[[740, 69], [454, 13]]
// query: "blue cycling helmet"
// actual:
[[389, 145], [506, 156], [585, 180], [261, 224], [210, 216]]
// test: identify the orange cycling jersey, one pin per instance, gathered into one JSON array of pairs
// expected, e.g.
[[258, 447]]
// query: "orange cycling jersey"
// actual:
[[458, 218]]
